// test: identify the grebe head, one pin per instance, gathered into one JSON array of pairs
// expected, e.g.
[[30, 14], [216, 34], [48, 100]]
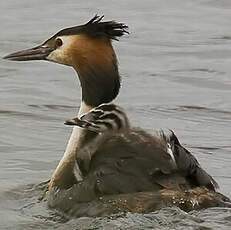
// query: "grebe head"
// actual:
[[88, 49], [104, 118]]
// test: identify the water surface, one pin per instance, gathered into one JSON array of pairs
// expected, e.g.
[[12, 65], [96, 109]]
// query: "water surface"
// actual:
[[176, 68]]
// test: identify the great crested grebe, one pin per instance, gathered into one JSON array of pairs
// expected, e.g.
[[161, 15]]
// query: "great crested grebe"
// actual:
[[128, 162]]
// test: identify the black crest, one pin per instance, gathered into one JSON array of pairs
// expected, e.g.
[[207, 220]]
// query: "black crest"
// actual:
[[96, 28]]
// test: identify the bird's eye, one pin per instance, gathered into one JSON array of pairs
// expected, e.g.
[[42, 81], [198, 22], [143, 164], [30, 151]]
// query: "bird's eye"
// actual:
[[58, 42]]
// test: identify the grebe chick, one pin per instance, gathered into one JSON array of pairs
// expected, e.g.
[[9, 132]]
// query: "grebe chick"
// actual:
[[104, 121], [103, 118]]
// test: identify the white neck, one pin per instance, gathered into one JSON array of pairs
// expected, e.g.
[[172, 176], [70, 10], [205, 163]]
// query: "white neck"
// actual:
[[73, 142], [71, 149], [84, 108]]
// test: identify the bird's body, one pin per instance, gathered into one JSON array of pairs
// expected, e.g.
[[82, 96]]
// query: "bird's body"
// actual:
[[158, 160], [119, 160]]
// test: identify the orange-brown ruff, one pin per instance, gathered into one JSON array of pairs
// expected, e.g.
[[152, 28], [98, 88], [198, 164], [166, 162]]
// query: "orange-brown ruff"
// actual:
[[91, 51], [130, 170]]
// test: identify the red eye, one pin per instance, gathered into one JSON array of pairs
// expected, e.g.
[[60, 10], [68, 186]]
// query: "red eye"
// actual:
[[58, 42]]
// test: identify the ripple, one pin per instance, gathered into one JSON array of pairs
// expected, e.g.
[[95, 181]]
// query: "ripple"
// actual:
[[15, 113], [197, 113], [205, 70], [53, 106]]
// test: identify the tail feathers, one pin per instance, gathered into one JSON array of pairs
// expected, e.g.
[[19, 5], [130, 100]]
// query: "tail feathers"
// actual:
[[204, 179], [187, 164]]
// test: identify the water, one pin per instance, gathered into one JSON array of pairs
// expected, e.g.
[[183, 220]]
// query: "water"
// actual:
[[176, 68]]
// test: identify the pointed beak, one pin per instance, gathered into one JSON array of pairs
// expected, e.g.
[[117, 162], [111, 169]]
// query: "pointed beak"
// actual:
[[74, 121], [77, 122], [36, 53]]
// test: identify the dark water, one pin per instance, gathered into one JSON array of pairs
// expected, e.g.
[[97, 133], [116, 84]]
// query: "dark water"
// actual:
[[176, 70]]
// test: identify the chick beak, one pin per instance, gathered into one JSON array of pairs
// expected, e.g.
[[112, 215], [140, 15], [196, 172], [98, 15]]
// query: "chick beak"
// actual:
[[74, 121], [77, 122]]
